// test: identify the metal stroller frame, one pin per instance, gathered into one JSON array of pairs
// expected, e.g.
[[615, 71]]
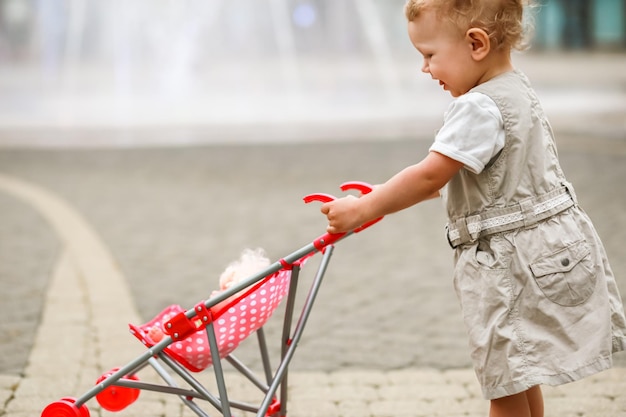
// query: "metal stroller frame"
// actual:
[[120, 387]]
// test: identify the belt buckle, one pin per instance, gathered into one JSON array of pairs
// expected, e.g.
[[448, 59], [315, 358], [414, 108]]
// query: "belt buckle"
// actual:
[[448, 236]]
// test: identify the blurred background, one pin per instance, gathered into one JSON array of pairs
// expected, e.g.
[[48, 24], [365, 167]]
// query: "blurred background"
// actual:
[[180, 71]]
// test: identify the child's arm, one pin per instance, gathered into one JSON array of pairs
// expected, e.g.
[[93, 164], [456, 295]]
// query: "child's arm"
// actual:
[[410, 186]]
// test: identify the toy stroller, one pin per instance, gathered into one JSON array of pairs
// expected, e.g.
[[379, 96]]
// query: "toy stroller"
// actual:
[[201, 337]]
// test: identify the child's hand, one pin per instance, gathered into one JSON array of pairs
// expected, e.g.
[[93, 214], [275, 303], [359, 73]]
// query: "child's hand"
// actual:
[[343, 214]]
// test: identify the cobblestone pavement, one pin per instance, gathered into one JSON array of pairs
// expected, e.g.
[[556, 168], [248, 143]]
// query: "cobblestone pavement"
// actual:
[[385, 337], [387, 304]]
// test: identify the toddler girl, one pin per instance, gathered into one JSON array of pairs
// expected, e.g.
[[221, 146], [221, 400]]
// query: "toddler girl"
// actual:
[[537, 294]]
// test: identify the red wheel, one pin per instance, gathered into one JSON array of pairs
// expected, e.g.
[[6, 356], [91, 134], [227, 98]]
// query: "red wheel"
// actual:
[[84, 411], [115, 398], [65, 408]]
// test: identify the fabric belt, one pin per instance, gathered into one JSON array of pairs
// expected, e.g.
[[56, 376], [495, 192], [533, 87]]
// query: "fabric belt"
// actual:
[[524, 214]]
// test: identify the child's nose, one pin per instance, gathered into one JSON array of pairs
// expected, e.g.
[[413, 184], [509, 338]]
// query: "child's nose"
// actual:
[[425, 67]]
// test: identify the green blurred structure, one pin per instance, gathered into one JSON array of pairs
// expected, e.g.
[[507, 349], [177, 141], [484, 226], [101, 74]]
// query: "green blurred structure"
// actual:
[[581, 24]]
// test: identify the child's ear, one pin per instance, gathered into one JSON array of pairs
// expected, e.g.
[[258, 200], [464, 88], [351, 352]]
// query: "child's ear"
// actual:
[[479, 42]]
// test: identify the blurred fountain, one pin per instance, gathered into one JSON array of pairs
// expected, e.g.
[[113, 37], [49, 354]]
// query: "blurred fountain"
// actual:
[[244, 70]]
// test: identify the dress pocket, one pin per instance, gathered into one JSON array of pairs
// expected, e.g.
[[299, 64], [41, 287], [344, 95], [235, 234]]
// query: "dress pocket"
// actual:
[[566, 276]]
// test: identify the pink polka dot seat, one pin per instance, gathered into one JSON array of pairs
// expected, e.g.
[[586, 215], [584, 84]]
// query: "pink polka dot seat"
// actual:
[[234, 319]]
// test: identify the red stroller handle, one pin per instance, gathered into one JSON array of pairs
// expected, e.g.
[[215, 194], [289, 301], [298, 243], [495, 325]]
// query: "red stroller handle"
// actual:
[[364, 188], [329, 238], [361, 186], [324, 198]]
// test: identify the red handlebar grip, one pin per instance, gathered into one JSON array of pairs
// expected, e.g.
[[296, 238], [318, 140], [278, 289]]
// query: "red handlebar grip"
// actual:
[[361, 186], [330, 238], [324, 198]]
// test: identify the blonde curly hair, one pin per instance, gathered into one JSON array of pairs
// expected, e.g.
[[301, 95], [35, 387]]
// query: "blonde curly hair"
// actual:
[[505, 21]]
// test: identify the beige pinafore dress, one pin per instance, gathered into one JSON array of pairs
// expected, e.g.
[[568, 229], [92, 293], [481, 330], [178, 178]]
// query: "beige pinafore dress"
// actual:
[[537, 293]]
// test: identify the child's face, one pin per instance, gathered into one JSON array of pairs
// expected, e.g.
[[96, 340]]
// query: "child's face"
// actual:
[[447, 53]]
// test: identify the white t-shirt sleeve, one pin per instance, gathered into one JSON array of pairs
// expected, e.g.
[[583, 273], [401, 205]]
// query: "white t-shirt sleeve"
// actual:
[[472, 132]]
